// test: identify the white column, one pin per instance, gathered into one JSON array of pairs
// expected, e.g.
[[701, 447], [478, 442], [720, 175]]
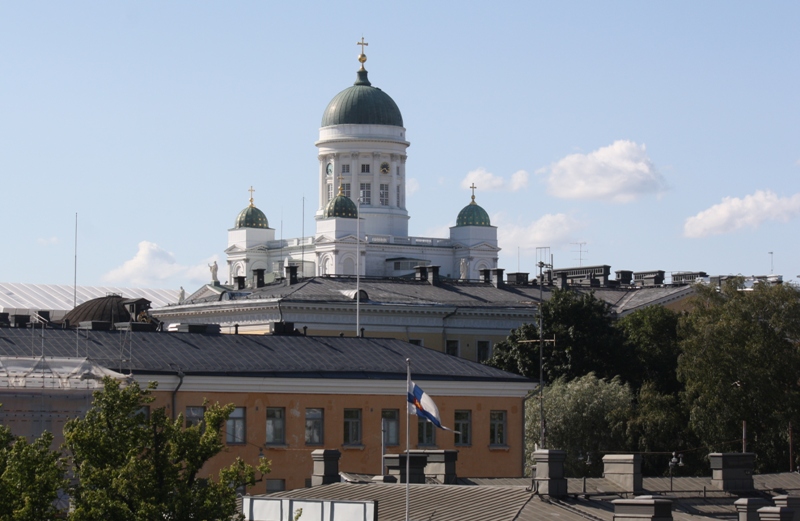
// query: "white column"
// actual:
[[335, 175], [393, 187], [355, 171], [322, 182], [376, 178]]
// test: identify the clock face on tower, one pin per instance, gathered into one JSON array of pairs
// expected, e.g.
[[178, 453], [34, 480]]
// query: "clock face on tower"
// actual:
[[384, 168], [329, 169]]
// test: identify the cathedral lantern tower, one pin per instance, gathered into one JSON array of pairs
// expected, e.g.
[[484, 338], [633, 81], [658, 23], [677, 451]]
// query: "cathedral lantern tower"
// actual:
[[248, 259], [362, 152]]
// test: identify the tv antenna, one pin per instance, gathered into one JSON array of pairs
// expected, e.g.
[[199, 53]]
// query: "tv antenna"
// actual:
[[580, 252], [771, 262]]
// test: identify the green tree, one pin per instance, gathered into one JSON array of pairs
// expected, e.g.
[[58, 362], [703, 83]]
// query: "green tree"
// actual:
[[740, 361], [586, 341], [651, 336], [31, 475], [133, 467], [586, 417]]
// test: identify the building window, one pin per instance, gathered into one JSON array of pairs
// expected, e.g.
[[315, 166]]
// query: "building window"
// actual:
[[275, 485], [315, 426], [426, 432], [497, 428], [366, 193], [276, 425], [398, 197], [384, 195], [235, 427], [415, 341], [463, 428], [346, 189], [484, 350], [194, 416], [345, 169], [391, 426], [451, 347], [365, 168], [330, 191], [398, 169], [352, 426]]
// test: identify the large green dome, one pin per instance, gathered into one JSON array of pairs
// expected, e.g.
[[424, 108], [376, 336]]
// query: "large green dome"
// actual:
[[362, 104], [341, 206], [473, 215], [251, 217]]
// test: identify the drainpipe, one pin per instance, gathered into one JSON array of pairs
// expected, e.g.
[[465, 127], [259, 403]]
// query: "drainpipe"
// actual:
[[444, 328], [175, 392], [527, 397]]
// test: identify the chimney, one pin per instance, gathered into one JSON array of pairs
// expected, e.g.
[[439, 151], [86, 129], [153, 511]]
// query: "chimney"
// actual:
[[747, 507], [441, 465], [326, 466], [517, 278], [550, 480], [240, 282], [562, 280], [497, 277], [433, 275], [258, 275], [421, 273], [291, 275], [775, 514], [624, 470], [643, 509], [624, 276], [792, 502], [396, 466], [732, 471], [486, 275]]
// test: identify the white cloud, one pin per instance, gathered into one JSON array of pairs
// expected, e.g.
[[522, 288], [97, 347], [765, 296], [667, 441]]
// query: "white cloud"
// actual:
[[549, 230], [620, 173], [412, 186], [733, 213], [485, 180], [153, 265], [47, 241]]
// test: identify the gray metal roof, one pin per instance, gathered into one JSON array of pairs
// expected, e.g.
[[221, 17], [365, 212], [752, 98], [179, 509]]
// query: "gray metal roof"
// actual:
[[386, 291], [19, 298], [248, 355], [505, 499]]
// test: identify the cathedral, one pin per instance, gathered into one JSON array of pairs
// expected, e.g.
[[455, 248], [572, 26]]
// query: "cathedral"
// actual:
[[361, 219]]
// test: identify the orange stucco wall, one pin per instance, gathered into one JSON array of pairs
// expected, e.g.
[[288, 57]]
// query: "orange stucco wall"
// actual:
[[293, 463]]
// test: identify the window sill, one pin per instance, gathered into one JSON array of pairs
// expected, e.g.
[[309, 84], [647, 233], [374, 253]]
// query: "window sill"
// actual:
[[504, 448], [465, 445], [277, 446], [353, 447]]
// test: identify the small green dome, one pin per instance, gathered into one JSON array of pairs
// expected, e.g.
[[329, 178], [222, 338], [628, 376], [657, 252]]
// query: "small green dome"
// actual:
[[341, 206], [473, 215], [362, 104], [251, 217]]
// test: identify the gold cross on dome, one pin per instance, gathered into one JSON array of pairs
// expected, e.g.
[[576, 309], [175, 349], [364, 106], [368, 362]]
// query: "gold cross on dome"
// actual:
[[362, 43], [473, 187], [251, 194]]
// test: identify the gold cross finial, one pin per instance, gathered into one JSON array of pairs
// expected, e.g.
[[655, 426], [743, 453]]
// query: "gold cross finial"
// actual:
[[473, 187], [251, 194], [341, 178], [362, 57]]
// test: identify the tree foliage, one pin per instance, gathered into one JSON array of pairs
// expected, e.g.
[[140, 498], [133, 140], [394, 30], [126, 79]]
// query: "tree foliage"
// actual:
[[586, 417], [31, 476], [585, 341], [651, 336], [740, 361], [133, 467]]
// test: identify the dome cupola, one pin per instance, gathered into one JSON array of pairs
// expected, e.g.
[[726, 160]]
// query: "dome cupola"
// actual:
[[362, 104], [251, 217], [341, 206], [473, 214]]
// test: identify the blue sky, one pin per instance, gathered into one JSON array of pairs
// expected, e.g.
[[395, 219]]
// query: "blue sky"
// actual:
[[663, 135]]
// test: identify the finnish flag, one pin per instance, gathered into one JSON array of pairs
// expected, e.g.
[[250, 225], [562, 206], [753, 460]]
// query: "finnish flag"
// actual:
[[422, 405]]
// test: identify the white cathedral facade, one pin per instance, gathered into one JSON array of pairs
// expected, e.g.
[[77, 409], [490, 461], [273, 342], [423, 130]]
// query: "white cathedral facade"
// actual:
[[361, 220]]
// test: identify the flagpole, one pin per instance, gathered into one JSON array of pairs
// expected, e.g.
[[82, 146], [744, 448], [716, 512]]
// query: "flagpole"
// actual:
[[408, 434]]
